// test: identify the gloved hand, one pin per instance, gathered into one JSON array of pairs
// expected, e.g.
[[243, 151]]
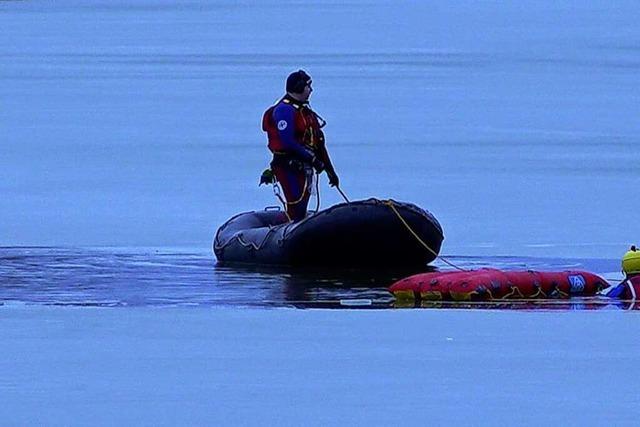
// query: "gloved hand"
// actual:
[[334, 181], [317, 164], [267, 177]]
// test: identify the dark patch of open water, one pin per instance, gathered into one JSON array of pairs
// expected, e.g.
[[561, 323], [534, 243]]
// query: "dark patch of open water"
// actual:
[[135, 277]]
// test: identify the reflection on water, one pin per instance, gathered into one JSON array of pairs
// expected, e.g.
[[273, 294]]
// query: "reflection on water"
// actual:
[[314, 287], [164, 277]]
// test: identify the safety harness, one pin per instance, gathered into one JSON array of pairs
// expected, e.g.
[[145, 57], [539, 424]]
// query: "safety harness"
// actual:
[[309, 140]]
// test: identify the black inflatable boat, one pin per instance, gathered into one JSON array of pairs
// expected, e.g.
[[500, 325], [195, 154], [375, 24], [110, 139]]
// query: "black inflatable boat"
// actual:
[[366, 233]]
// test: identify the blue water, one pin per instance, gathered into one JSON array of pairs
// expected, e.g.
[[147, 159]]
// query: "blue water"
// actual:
[[137, 124], [137, 277]]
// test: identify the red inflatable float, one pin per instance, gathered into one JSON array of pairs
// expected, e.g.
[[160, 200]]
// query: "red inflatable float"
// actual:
[[490, 284]]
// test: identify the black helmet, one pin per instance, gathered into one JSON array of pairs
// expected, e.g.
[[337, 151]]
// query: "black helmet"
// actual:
[[297, 81]]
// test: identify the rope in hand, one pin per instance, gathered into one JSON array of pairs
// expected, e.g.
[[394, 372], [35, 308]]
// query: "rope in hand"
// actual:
[[443, 259], [342, 194]]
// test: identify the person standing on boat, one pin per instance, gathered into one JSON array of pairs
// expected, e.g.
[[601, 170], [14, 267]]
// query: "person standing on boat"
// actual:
[[296, 139]]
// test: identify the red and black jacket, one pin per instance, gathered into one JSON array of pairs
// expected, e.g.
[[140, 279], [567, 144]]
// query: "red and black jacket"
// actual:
[[294, 129]]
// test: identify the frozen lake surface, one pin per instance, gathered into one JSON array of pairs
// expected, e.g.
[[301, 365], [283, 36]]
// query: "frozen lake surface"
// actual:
[[152, 366], [138, 123]]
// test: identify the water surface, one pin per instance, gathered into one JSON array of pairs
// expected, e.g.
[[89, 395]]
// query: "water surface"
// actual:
[[139, 277]]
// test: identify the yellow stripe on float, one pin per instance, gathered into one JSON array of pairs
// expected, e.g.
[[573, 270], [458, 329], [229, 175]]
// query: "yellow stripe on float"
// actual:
[[431, 296]]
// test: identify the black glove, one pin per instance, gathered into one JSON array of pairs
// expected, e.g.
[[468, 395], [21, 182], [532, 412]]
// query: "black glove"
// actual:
[[267, 177], [334, 181], [317, 164]]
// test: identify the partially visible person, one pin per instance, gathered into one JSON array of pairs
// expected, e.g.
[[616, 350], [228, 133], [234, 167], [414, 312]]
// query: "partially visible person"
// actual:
[[296, 139], [629, 288]]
